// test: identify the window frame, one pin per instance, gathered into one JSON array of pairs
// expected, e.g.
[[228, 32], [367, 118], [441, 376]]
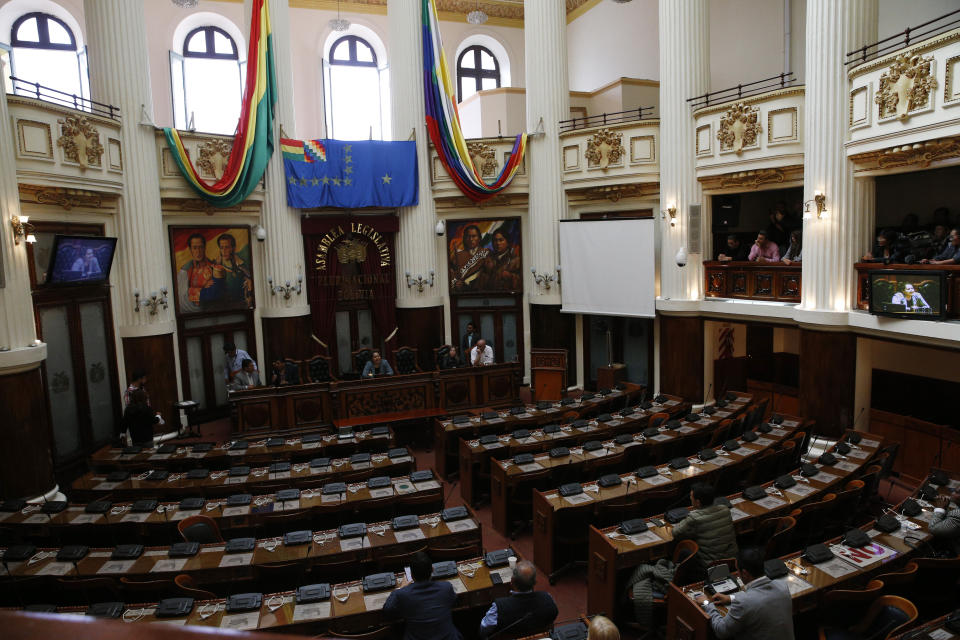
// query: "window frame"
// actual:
[[477, 73], [43, 33], [209, 31], [353, 61]]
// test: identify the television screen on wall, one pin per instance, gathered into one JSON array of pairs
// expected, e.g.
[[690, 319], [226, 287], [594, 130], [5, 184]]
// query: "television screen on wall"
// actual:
[[81, 259], [915, 294]]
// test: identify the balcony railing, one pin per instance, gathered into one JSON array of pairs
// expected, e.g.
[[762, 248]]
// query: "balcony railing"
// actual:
[[903, 39], [631, 115], [775, 282], [772, 83], [36, 90]]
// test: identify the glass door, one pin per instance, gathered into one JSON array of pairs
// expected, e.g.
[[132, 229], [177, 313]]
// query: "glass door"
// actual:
[[355, 330], [497, 318], [202, 359]]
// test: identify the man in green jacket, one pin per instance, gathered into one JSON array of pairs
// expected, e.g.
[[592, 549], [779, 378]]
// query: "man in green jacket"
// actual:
[[709, 525]]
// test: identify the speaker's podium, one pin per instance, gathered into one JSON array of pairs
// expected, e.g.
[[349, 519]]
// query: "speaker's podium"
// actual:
[[549, 370]]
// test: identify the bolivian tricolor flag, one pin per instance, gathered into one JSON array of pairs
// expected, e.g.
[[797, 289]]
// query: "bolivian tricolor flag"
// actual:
[[253, 141], [443, 120]]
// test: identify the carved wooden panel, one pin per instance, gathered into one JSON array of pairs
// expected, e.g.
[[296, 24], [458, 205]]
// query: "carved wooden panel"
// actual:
[[598, 565], [790, 286], [739, 285], [764, 284], [308, 410], [456, 393], [368, 403], [500, 387], [716, 282], [256, 415]]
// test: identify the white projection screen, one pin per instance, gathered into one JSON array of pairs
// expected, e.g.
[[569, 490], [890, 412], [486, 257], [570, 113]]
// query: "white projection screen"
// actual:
[[607, 267]]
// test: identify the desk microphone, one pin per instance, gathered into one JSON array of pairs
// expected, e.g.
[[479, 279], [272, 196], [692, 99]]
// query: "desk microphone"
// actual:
[[706, 397], [629, 482], [857, 421], [525, 617], [449, 493]]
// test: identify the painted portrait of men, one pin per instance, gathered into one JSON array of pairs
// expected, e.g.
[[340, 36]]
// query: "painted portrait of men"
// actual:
[[213, 269], [484, 256], [466, 262], [236, 274]]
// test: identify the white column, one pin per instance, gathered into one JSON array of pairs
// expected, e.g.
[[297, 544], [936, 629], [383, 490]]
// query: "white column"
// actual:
[[416, 247], [684, 32], [17, 329], [281, 254], [548, 99], [831, 245], [120, 75]]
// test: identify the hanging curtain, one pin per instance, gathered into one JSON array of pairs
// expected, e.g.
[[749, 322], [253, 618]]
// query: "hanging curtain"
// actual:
[[443, 120], [253, 141]]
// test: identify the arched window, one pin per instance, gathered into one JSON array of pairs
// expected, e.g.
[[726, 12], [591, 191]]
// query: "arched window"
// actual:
[[44, 50], [477, 69], [358, 91], [207, 81]]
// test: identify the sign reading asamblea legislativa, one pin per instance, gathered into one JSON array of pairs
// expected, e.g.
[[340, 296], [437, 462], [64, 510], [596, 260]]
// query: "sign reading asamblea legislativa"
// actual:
[[350, 262]]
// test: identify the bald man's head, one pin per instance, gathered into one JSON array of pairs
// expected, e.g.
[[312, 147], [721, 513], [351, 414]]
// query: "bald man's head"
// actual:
[[524, 576]]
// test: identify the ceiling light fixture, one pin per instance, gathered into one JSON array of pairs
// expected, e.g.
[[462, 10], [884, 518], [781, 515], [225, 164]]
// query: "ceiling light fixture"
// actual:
[[477, 16], [338, 23]]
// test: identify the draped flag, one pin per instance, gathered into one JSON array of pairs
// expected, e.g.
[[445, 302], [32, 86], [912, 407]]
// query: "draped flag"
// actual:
[[443, 120], [253, 141], [350, 174]]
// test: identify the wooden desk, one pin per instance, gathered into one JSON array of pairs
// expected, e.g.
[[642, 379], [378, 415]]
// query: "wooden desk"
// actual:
[[160, 524], [611, 554], [686, 618], [387, 418], [212, 566], [447, 433], [687, 438], [925, 631], [320, 404], [349, 610], [549, 508], [753, 280], [222, 455], [475, 458], [94, 486]]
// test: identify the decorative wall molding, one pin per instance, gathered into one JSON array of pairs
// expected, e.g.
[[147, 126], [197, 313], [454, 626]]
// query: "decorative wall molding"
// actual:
[[484, 157], [951, 88], [604, 148], [919, 155], [704, 140], [643, 149], [860, 107], [752, 180], [80, 141], [907, 86], [214, 154], [34, 139], [782, 125], [739, 128], [614, 193], [66, 198], [192, 206]]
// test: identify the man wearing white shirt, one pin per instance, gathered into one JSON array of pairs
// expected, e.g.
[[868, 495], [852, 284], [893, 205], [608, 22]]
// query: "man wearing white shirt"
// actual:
[[234, 361], [481, 354]]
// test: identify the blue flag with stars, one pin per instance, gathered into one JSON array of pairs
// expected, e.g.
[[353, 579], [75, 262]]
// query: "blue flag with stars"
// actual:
[[350, 174]]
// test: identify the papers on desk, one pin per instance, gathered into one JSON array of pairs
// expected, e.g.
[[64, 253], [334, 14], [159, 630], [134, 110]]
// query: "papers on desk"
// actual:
[[354, 544], [312, 611], [461, 525], [492, 445], [293, 505], [357, 466], [375, 601], [457, 584], [706, 422], [870, 444], [334, 498], [135, 517], [309, 445], [106, 486], [940, 634], [684, 429], [599, 453], [236, 560], [235, 479], [169, 565], [863, 556], [241, 621], [427, 486], [763, 442], [236, 511], [796, 584], [660, 437], [580, 498], [824, 477], [790, 423], [647, 537], [843, 465], [719, 461], [86, 518], [384, 492], [778, 433], [159, 456], [409, 535], [722, 414], [836, 568], [505, 573], [655, 480], [494, 421], [530, 466], [737, 514], [859, 454], [55, 569], [671, 403], [770, 502], [402, 487], [800, 489], [116, 566]]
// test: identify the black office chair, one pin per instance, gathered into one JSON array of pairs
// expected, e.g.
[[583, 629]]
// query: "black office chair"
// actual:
[[320, 369], [406, 359]]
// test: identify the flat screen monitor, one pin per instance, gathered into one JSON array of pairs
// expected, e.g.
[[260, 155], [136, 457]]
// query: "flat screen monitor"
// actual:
[[917, 295], [81, 259]]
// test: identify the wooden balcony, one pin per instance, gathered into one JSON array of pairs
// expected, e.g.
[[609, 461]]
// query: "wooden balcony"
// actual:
[[775, 282], [952, 282]]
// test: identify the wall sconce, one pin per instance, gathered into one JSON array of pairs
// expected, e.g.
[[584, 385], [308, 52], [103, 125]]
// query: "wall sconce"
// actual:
[[286, 288], [546, 278], [820, 202], [22, 229], [153, 303], [419, 281], [670, 212]]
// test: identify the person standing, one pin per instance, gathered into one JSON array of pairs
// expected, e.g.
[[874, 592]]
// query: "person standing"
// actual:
[[234, 361], [138, 381], [469, 339], [138, 419], [425, 606]]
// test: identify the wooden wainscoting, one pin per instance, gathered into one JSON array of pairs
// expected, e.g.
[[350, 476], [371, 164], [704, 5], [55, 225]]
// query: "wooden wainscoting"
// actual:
[[752, 280], [922, 444]]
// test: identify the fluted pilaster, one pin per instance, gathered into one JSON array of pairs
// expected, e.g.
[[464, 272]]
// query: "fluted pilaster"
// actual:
[[684, 73], [831, 245], [281, 254], [17, 330], [416, 246], [120, 75], [548, 99]]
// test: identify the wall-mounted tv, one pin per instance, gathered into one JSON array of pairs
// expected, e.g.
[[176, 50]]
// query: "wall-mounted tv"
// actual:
[[81, 259], [916, 294]]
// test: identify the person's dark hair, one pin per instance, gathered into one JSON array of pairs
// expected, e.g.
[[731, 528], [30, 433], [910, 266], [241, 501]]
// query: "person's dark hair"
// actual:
[[524, 576], [229, 238], [421, 568], [229, 347], [245, 362], [472, 226], [375, 352], [762, 232], [138, 397], [138, 374], [751, 559], [704, 493], [196, 235], [733, 236], [797, 235]]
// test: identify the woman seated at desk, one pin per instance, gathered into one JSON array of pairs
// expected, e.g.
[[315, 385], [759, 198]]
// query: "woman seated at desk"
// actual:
[[376, 367]]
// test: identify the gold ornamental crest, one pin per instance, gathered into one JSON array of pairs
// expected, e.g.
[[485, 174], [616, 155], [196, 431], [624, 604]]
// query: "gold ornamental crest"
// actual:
[[352, 250]]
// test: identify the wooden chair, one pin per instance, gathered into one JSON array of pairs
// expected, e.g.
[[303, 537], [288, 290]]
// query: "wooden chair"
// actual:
[[332, 568], [520, 500], [438, 554], [360, 357], [320, 369], [276, 524], [936, 587], [291, 371], [395, 562], [810, 521], [900, 582], [720, 433], [838, 605], [199, 528], [887, 616], [406, 360], [187, 586], [658, 419], [686, 571], [781, 540], [438, 353]]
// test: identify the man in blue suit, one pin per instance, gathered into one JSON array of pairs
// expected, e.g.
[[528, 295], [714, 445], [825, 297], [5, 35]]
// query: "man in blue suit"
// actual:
[[425, 606]]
